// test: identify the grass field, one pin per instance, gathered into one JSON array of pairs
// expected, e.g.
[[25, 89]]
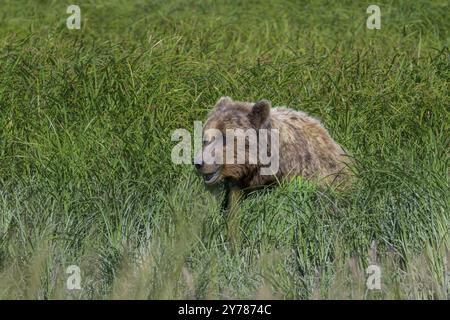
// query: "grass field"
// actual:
[[86, 177]]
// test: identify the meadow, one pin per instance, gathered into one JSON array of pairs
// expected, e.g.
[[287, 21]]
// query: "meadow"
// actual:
[[86, 176]]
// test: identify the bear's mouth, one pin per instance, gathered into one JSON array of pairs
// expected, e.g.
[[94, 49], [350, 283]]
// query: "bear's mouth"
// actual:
[[212, 178]]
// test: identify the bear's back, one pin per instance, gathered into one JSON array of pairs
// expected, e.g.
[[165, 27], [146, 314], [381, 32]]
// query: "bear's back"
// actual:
[[306, 148]]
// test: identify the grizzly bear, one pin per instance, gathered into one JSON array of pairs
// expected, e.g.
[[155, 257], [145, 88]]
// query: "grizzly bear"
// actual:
[[304, 147]]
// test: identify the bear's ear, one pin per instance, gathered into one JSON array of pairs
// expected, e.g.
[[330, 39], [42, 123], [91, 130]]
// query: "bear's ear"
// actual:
[[260, 113], [223, 102]]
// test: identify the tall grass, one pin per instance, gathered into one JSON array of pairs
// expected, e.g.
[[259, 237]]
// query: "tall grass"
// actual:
[[86, 176]]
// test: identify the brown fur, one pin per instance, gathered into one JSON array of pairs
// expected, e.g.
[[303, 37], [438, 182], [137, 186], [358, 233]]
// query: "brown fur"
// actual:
[[305, 147]]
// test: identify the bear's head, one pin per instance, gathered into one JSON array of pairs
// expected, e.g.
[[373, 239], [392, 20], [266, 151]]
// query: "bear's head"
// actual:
[[230, 136]]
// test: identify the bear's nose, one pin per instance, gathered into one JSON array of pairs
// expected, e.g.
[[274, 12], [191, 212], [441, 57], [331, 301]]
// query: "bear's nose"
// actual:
[[198, 166]]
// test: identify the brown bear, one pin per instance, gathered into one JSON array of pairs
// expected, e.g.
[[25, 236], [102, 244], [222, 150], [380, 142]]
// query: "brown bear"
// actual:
[[304, 147]]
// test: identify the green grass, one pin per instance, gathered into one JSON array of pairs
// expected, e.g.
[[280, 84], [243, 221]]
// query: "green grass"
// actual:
[[86, 178]]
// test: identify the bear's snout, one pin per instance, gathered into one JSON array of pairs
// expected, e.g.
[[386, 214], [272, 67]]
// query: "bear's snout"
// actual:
[[198, 166]]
